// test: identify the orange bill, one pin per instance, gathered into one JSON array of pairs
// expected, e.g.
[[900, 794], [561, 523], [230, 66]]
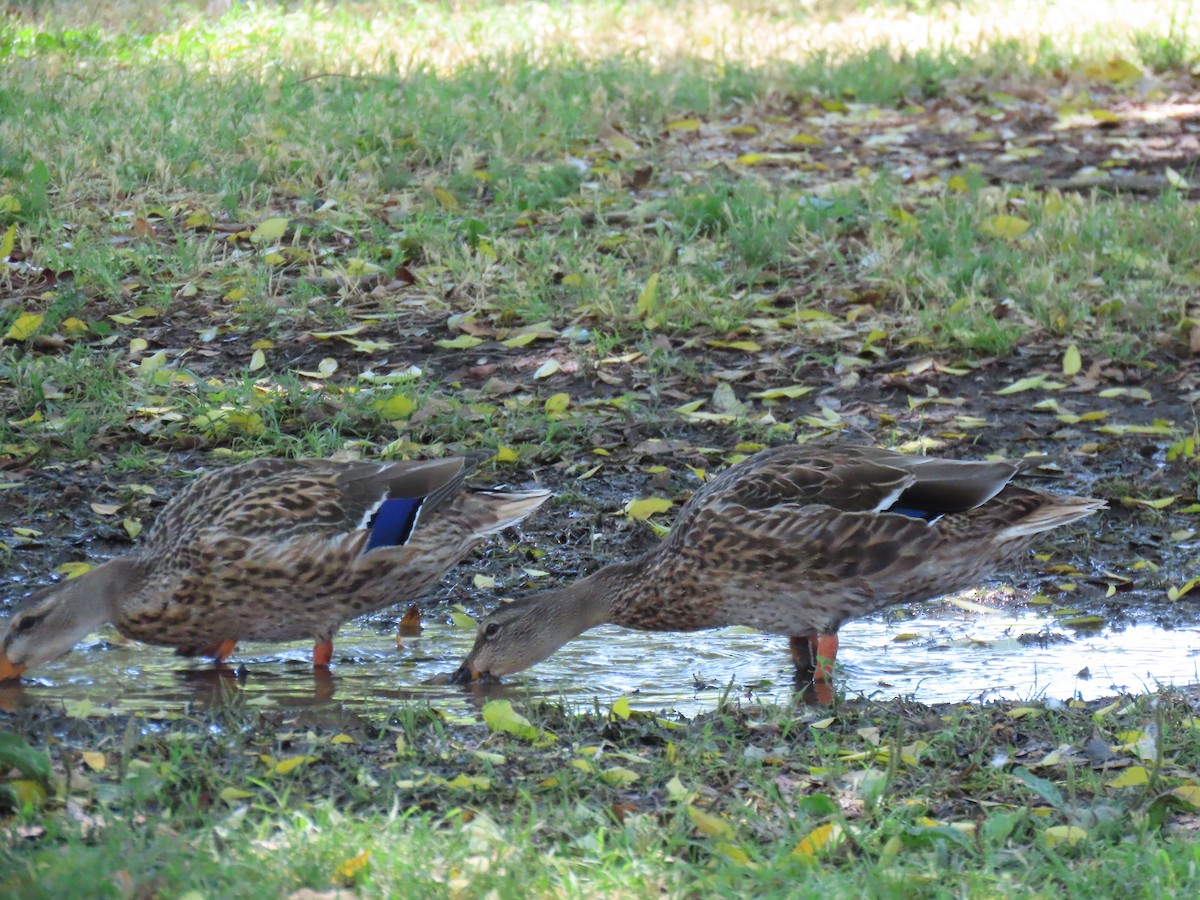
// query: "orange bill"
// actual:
[[410, 625], [9, 671]]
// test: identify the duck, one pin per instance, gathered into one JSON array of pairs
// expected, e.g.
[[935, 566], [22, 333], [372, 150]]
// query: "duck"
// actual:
[[794, 541], [272, 550]]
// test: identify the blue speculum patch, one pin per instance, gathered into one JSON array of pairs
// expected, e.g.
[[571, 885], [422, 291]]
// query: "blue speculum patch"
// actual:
[[915, 513], [393, 522]]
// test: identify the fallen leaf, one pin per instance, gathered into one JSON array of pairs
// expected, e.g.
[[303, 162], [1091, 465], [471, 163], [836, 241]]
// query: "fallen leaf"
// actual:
[[641, 510], [269, 231], [499, 715], [24, 326], [1008, 228]]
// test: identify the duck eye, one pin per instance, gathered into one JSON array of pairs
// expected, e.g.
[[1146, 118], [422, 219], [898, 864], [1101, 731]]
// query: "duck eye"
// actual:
[[491, 630], [25, 624]]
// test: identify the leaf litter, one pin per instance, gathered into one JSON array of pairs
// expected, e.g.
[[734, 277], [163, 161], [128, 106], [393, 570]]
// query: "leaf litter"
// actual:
[[424, 352]]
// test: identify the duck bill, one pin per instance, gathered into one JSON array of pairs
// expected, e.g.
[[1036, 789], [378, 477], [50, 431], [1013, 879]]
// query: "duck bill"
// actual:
[[467, 673], [9, 671]]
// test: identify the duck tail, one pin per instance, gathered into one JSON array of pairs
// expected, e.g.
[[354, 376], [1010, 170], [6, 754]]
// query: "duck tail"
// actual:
[[491, 511], [1053, 512]]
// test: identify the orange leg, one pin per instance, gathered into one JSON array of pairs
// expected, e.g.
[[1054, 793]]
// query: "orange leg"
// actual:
[[220, 650], [824, 649], [815, 654], [323, 655]]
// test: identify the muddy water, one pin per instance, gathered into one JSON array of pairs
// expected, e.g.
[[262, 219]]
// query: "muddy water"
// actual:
[[941, 653]]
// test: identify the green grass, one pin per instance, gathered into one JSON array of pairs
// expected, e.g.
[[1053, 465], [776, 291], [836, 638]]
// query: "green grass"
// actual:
[[669, 203], [957, 800]]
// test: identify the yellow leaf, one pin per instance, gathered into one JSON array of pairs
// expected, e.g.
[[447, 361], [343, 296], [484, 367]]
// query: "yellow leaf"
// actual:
[[345, 332], [507, 454], [618, 776], [557, 403], [152, 363], [819, 841], [1065, 834], [105, 509], [1115, 71], [72, 327], [648, 297], [744, 346], [446, 199], [1103, 115], [1072, 361], [1022, 712], [342, 739], [546, 369], [1007, 228], [397, 406], [462, 342], [499, 715], [1023, 384], [325, 368], [683, 125], [806, 139], [1189, 794], [676, 790], [641, 510], [1175, 179], [791, 392], [347, 873], [464, 782], [735, 855], [73, 569], [24, 327], [751, 159], [133, 527], [269, 230], [620, 709], [232, 794], [8, 242], [462, 620], [95, 761], [258, 359], [1134, 776], [1174, 593], [284, 766], [521, 340], [484, 582], [1160, 503], [707, 823], [958, 184], [29, 791]]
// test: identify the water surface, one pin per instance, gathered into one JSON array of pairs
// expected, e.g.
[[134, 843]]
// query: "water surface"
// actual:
[[941, 654]]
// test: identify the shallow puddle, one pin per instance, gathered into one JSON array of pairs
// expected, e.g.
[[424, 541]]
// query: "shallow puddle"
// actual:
[[945, 655]]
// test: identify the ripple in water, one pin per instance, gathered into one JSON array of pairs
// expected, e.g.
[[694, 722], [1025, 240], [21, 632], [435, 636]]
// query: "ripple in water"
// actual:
[[945, 655]]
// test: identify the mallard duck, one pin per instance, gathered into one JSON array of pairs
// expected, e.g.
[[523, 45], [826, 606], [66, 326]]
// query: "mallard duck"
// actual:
[[272, 550], [794, 541]]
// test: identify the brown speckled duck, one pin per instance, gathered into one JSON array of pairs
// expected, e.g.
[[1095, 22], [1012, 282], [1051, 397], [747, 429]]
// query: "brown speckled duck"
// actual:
[[272, 550], [794, 541]]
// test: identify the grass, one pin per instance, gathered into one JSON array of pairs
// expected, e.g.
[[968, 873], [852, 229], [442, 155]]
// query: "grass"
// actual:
[[881, 799], [409, 229]]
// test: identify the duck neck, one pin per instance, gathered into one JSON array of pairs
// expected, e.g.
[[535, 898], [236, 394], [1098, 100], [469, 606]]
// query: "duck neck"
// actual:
[[590, 601], [102, 593]]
